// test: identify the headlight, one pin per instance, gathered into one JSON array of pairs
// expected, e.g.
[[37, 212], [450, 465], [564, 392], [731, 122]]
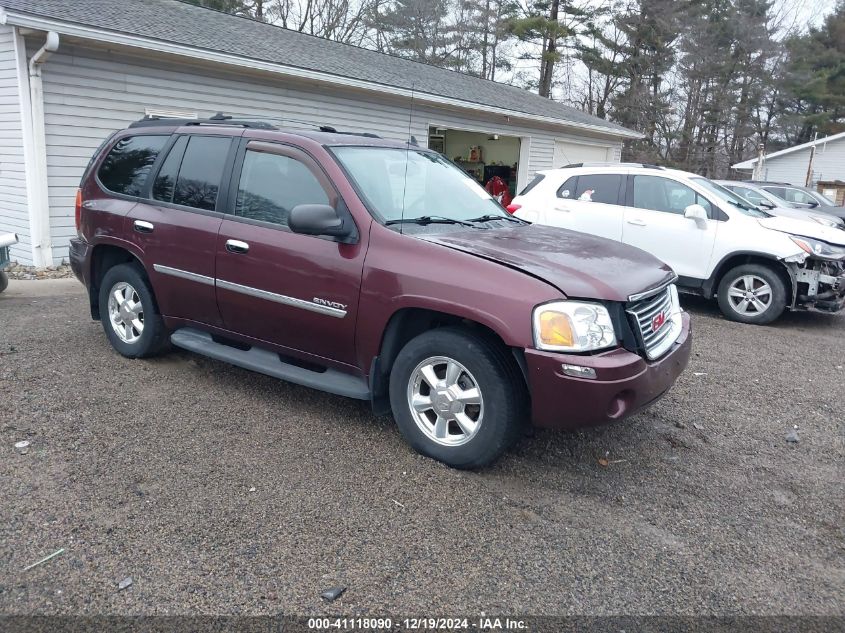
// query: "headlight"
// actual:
[[573, 326], [831, 222], [818, 248]]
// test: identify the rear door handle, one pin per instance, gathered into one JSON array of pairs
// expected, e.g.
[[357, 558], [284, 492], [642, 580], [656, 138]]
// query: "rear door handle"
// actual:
[[559, 208], [636, 222], [143, 227], [236, 246]]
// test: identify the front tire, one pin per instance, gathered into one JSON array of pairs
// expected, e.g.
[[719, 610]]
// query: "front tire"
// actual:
[[129, 313], [457, 397], [4, 281], [752, 293]]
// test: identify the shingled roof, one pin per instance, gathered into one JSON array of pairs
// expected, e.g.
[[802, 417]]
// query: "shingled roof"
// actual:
[[199, 28]]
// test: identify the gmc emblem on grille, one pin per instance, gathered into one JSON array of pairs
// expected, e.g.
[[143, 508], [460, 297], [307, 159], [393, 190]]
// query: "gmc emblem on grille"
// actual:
[[658, 321]]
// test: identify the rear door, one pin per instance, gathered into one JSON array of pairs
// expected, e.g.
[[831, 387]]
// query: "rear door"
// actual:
[[297, 291], [655, 222], [590, 203], [177, 225]]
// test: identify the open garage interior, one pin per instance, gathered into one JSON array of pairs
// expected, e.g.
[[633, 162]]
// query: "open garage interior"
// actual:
[[484, 156]]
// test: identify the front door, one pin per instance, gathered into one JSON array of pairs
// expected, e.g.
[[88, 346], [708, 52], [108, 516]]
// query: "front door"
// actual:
[[177, 226], [655, 222], [590, 203], [297, 291]]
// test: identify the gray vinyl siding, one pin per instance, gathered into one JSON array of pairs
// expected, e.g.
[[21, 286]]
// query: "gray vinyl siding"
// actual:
[[89, 93], [14, 215], [828, 164]]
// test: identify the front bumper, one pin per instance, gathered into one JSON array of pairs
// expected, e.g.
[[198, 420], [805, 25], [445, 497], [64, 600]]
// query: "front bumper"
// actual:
[[820, 286], [624, 384]]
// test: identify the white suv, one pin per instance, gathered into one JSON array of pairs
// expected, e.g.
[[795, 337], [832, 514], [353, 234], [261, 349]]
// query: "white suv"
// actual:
[[756, 264]]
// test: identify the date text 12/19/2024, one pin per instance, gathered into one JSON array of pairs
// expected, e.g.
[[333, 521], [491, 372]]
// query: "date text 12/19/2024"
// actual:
[[482, 623]]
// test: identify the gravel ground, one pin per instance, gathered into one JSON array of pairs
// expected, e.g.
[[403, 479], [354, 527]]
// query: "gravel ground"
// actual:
[[221, 491]]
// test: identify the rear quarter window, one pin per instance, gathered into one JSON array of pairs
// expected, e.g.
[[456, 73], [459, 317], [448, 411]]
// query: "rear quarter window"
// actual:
[[128, 163]]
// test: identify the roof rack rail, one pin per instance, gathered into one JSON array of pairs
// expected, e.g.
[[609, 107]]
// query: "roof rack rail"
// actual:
[[217, 119], [225, 119], [607, 163]]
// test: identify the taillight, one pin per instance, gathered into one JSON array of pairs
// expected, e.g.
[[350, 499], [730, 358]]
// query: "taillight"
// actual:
[[77, 212], [513, 208]]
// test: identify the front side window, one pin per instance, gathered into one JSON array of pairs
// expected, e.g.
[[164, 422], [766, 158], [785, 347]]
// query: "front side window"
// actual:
[[602, 188], [272, 184], [796, 195], [662, 194], [128, 164], [403, 184], [749, 194]]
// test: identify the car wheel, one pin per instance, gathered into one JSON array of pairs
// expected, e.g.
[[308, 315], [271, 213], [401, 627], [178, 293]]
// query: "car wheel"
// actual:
[[752, 293], [4, 281], [129, 313], [457, 397]]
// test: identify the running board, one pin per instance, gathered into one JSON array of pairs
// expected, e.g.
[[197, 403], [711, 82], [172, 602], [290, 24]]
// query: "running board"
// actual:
[[266, 362]]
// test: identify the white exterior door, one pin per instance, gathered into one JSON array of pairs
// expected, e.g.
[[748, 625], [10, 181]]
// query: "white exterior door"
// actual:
[[654, 221], [590, 203], [569, 153]]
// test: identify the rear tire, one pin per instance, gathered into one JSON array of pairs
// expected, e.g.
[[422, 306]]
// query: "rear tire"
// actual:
[[752, 293], [129, 313], [4, 281], [473, 413]]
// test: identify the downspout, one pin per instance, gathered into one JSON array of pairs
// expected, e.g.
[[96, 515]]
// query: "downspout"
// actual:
[[42, 241]]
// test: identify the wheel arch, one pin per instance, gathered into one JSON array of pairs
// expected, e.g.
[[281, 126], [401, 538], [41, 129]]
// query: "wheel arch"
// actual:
[[103, 258], [408, 322], [711, 285]]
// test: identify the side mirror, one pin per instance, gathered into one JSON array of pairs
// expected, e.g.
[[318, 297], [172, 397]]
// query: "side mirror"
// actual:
[[321, 219], [696, 212], [765, 204]]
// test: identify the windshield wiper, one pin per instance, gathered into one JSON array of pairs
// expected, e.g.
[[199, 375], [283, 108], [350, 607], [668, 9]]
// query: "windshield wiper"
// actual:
[[429, 219], [491, 217]]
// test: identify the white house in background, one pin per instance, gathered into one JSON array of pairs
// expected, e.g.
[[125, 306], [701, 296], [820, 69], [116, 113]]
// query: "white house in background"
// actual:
[[71, 72], [791, 165]]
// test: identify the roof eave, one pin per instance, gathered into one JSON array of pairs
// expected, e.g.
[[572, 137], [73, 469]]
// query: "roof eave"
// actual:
[[24, 20]]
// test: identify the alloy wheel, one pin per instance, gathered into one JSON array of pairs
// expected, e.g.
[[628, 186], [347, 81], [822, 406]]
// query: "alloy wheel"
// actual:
[[750, 295], [445, 401], [126, 312]]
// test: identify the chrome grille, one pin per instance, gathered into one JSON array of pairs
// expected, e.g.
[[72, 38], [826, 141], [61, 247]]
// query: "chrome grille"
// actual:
[[657, 341]]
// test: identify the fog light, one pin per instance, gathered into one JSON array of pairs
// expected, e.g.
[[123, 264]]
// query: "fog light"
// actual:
[[576, 371]]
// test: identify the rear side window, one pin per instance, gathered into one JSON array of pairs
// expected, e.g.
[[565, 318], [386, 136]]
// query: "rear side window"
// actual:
[[192, 172], [272, 184], [602, 188], [128, 164], [537, 180]]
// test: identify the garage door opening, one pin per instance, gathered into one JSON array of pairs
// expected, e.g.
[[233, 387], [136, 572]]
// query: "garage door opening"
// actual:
[[492, 159], [572, 153]]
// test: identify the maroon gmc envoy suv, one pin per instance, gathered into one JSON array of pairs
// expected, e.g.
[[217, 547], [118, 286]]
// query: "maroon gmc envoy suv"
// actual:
[[372, 269]]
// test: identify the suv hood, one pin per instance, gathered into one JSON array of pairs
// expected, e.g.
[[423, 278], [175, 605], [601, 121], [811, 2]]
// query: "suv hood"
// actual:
[[805, 228], [579, 265]]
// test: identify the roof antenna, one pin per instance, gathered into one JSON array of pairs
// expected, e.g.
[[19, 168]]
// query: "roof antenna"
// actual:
[[411, 140]]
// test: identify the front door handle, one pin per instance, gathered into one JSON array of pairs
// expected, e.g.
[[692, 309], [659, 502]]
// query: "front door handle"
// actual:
[[236, 246], [636, 222], [143, 227], [559, 208]]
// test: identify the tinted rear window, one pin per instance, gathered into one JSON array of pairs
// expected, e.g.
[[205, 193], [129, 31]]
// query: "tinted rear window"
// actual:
[[127, 165]]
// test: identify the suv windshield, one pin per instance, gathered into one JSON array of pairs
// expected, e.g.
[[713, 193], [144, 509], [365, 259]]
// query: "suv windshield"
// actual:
[[407, 184], [728, 196]]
